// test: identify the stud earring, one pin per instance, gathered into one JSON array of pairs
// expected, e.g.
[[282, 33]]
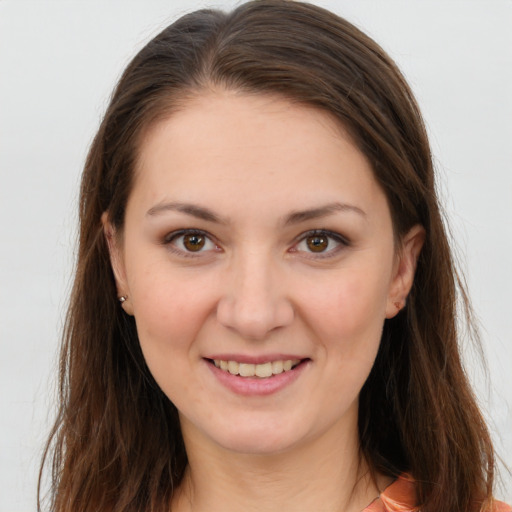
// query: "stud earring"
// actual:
[[122, 298], [398, 305]]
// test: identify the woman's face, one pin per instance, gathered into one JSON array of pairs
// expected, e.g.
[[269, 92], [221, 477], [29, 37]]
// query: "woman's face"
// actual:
[[257, 238]]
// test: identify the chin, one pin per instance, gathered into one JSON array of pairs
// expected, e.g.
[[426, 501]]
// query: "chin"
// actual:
[[258, 444], [255, 436]]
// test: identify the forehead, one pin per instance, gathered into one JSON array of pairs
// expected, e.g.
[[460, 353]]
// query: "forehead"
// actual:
[[255, 147]]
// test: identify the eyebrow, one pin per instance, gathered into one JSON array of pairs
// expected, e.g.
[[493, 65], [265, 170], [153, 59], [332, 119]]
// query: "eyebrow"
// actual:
[[189, 209], [295, 217], [323, 211]]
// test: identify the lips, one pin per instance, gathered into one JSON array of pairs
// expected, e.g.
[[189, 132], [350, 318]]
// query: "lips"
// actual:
[[256, 376], [262, 370]]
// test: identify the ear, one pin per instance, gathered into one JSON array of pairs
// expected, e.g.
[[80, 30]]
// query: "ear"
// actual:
[[117, 263], [404, 269]]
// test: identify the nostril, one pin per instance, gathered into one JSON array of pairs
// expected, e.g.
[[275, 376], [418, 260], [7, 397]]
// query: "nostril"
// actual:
[[254, 318]]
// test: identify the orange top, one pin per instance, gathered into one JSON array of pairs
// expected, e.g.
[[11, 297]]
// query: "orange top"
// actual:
[[400, 496]]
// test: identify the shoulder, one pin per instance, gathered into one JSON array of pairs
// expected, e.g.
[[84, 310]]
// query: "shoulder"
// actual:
[[499, 506], [400, 496]]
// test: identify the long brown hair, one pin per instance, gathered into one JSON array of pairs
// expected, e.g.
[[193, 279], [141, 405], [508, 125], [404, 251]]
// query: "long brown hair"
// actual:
[[117, 445]]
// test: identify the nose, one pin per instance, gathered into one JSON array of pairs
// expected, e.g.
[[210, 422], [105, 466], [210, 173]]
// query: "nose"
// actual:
[[255, 302]]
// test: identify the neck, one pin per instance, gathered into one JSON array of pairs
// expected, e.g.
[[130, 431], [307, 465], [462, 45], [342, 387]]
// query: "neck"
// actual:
[[324, 474]]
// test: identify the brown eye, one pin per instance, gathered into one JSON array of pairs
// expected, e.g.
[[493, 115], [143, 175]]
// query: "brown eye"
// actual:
[[320, 244], [317, 243], [194, 242], [190, 242]]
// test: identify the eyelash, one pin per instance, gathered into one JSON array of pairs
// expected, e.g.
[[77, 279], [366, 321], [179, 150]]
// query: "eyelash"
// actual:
[[342, 242], [330, 235], [172, 237]]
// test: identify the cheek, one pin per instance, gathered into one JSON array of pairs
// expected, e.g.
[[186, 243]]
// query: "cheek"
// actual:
[[350, 308], [169, 310], [347, 321], [168, 319]]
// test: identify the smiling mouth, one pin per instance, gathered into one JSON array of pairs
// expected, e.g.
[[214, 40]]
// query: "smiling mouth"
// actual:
[[263, 370]]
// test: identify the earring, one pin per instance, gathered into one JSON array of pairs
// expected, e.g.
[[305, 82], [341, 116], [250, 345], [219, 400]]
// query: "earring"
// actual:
[[122, 298], [398, 305]]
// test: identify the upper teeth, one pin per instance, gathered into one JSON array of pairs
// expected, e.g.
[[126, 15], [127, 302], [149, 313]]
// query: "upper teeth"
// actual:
[[256, 370]]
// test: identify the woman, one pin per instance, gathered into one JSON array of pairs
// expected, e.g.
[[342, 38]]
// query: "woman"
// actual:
[[263, 315]]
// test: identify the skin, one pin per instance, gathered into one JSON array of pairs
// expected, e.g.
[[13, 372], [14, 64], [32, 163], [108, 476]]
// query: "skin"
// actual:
[[258, 289]]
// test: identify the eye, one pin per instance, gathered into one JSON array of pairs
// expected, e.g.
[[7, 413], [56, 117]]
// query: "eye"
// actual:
[[321, 242], [190, 241]]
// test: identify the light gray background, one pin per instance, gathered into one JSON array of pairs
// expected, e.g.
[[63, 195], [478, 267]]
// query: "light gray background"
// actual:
[[58, 63]]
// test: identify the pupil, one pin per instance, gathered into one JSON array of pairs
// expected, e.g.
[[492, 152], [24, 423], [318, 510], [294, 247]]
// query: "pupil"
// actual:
[[194, 242], [317, 243]]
